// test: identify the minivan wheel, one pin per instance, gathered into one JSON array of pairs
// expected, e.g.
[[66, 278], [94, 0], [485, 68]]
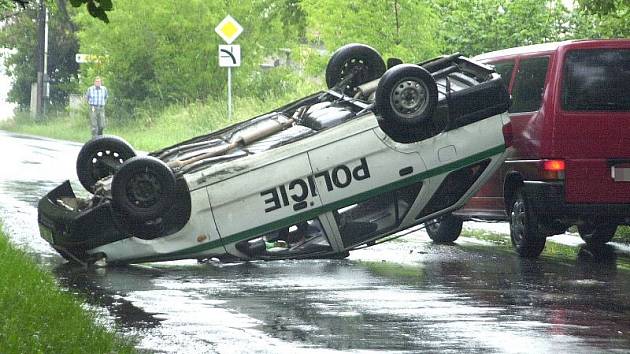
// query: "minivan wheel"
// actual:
[[597, 234], [444, 229], [523, 228]]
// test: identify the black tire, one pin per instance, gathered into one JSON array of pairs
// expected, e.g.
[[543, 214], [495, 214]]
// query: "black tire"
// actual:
[[143, 188], [101, 157], [445, 229], [597, 234], [362, 60], [405, 101], [598, 254], [526, 238]]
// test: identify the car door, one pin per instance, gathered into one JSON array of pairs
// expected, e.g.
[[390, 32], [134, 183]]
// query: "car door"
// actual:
[[365, 185], [594, 124], [489, 200], [263, 199], [527, 119]]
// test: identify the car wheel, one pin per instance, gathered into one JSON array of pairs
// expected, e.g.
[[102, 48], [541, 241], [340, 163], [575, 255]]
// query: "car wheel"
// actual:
[[405, 100], [445, 229], [101, 157], [363, 62], [143, 188], [597, 234], [524, 234]]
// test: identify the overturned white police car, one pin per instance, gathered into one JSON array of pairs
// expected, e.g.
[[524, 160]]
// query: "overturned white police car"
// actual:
[[377, 152]]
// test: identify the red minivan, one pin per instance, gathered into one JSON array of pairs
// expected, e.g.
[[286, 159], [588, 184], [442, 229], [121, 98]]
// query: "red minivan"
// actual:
[[570, 163]]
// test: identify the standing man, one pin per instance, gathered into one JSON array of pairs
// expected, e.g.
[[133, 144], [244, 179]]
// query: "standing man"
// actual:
[[96, 97]]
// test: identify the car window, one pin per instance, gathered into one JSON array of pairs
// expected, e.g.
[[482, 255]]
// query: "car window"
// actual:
[[596, 80], [453, 188], [529, 84], [361, 221], [505, 70], [305, 237]]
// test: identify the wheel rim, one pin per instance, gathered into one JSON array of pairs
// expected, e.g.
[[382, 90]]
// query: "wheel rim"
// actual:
[[409, 97], [144, 190], [358, 68], [102, 162], [517, 224]]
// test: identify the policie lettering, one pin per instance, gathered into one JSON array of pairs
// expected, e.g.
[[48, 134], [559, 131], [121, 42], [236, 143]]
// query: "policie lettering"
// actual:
[[300, 189]]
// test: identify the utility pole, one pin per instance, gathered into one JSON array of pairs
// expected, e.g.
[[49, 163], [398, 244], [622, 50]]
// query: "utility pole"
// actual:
[[46, 88], [42, 17], [396, 9]]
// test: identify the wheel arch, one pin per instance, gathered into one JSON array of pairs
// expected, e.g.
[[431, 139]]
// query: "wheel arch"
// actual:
[[513, 180]]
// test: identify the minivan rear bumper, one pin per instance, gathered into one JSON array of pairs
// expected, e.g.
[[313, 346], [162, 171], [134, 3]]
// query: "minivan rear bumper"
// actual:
[[547, 199]]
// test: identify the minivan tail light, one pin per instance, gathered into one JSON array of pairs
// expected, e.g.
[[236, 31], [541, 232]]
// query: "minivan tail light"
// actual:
[[553, 165], [553, 169], [508, 134]]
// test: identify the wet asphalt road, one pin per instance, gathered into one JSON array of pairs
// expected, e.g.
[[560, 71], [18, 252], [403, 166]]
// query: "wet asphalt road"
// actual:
[[402, 296]]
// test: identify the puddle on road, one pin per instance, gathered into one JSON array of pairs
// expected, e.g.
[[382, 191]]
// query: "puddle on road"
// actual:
[[404, 296]]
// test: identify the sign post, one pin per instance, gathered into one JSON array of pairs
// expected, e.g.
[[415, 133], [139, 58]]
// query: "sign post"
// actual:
[[229, 55]]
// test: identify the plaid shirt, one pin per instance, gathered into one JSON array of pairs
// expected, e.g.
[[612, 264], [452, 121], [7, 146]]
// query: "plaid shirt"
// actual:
[[96, 96]]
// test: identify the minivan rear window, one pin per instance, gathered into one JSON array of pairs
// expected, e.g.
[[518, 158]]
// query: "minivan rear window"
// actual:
[[596, 80]]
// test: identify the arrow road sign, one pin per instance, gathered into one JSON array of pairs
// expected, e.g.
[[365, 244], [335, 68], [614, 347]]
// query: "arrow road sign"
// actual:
[[229, 55]]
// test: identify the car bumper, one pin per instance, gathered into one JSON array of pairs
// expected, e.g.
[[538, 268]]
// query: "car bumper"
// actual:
[[72, 233], [547, 199]]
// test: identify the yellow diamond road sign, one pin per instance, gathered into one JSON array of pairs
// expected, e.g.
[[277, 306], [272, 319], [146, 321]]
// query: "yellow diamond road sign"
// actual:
[[228, 29]]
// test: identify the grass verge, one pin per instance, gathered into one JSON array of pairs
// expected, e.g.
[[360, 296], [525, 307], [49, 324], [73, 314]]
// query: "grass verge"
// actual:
[[152, 129], [37, 317], [622, 234]]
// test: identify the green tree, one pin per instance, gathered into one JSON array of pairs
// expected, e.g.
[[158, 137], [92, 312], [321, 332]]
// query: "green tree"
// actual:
[[599, 6], [476, 26], [20, 33], [96, 8], [602, 19], [162, 51], [8, 5], [401, 28]]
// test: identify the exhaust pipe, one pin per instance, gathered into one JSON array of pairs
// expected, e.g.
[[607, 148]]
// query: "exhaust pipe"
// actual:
[[262, 130], [367, 88], [243, 138]]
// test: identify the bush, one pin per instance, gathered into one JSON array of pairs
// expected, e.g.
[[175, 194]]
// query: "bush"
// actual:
[[271, 83]]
